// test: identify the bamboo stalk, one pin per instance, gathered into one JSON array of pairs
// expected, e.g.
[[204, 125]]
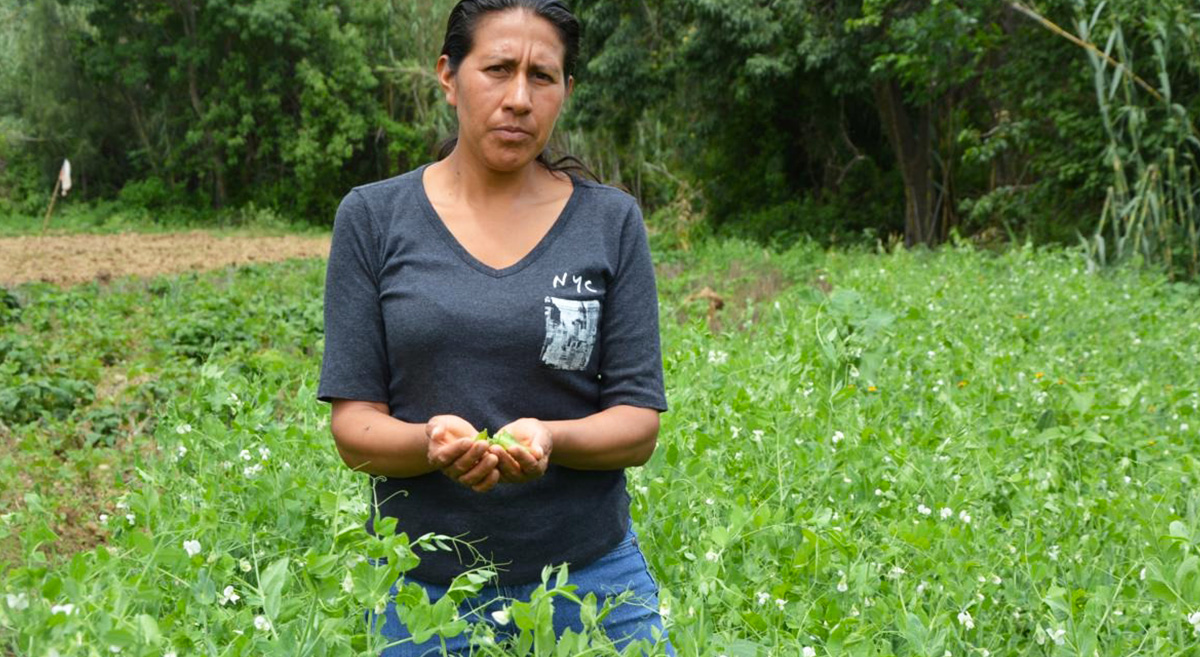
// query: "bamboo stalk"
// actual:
[[1086, 45], [53, 198]]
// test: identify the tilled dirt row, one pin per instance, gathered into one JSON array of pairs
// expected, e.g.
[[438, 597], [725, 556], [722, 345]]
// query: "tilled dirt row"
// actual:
[[72, 259]]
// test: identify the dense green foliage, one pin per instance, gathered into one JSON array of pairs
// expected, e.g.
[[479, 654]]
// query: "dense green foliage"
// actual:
[[901, 454], [771, 119], [285, 105]]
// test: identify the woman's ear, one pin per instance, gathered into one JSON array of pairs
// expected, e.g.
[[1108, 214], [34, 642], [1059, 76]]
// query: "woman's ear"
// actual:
[[570, 87], [446, 79]]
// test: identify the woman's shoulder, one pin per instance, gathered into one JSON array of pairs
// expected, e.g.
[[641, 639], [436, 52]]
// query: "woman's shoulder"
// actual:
[[604, 198], [405, 183], [375, 203]]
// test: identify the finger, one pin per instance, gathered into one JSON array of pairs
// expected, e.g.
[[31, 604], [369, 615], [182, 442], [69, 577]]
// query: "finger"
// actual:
[[488, 483], [482, 470], [524, 458], [471, 452], [506, 463], [445, 454]]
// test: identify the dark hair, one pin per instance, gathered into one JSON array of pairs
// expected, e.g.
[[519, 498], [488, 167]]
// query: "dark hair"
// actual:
[[460, 33]]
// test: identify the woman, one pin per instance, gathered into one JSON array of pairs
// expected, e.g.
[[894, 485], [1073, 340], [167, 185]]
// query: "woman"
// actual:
[[487, 290]]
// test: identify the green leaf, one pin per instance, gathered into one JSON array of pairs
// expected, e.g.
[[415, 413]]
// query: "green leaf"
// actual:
[[271, 586], [149, 627]]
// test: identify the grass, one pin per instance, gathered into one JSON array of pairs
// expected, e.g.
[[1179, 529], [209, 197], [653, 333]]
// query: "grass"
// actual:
[[868, 454], [110, 217]]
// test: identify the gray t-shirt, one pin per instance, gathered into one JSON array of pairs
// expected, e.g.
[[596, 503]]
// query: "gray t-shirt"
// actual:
[[414, 321]]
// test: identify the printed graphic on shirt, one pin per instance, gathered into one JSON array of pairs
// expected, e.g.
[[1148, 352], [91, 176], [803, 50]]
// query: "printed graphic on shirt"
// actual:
[[571, 328]]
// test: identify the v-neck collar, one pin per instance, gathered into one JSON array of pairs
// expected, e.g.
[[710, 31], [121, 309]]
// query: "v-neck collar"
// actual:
[[544, 243]]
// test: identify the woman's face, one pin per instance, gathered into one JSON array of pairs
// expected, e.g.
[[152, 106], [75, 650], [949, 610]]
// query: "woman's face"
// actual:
[[509, 89]]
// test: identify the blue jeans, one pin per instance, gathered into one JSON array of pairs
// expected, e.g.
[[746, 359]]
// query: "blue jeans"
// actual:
[[623, 568]]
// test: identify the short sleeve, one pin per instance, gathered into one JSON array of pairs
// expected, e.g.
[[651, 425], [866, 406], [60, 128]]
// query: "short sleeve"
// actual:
[[354, 365], [630, 354]]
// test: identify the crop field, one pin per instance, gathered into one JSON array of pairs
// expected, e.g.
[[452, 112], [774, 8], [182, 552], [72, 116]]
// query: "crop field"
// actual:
[[953, 453]]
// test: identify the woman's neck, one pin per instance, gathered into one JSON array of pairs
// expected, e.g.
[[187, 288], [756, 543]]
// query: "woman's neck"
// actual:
[[467, 181]]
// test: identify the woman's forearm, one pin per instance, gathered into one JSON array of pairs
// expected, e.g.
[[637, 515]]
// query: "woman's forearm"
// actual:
[[618, 437], [370, 440]]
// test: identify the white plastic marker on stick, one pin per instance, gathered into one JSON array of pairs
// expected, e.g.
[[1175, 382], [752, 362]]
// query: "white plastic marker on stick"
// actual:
[[64, 176], [63, 183]]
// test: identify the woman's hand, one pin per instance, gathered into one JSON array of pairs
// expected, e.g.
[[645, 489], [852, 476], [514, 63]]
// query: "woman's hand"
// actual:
[[454, 450], [521, 464]]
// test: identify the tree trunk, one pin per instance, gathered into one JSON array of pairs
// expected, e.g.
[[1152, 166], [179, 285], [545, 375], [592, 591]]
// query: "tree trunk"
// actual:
[[908, 131], [140, 128], [188, 13]]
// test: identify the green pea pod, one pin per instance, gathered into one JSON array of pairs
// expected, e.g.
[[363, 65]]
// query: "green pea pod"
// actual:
[[483, 435], [506, 440]]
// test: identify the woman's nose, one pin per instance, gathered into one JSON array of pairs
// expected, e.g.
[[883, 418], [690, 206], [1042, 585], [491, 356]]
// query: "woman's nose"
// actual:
[[517, 97]]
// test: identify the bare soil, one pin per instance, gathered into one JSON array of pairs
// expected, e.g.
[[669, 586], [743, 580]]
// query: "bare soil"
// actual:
[[71, 259]]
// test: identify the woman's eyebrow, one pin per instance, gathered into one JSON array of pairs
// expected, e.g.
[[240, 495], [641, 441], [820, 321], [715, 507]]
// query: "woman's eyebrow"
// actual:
[[512, 62]]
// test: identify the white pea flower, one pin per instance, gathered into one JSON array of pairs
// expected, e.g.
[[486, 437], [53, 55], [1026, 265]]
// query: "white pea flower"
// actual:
[[946, 512], [808, 651], [996, 579], [762, 597], [264, 452], [245, 455], [228, 596], [964, 619], [1058, 636], [17, 601], [252, 470], [842, 587], [924, 510], [261, 623], [184, 428], [65, 609], [130, 518], [838, 437], [501, 616], [711, 556], [965, 517], [191, 547], [717, 357], [104, 518], [1142, 574], [180, 452], [781, 603], [169, 653], [758, 435], [244, 565]]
